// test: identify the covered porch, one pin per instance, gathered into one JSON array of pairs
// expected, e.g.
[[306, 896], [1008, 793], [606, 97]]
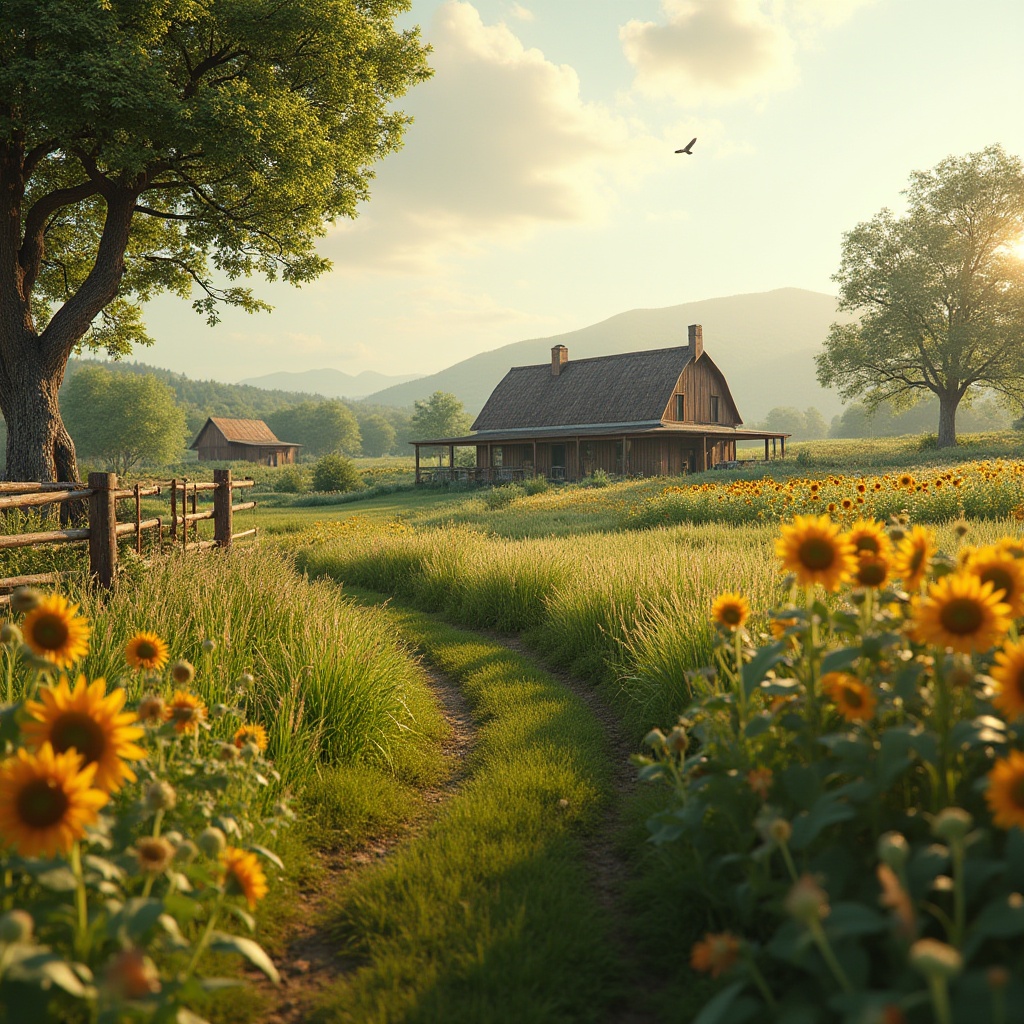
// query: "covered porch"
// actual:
[[574, 454]]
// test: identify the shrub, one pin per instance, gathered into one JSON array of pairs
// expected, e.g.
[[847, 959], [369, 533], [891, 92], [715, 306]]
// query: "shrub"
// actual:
[[850, 794], [336, 473], [599, 478], [292, 480], [503, 496], [536, 485]]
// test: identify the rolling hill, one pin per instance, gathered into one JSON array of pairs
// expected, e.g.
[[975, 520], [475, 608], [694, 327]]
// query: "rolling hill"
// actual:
[[764, 343], [332, 383]]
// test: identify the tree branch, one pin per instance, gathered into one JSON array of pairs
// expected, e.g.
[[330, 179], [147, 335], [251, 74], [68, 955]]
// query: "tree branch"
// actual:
[[30, 255]]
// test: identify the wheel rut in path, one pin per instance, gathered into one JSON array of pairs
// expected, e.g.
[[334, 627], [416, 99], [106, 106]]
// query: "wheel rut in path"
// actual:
[[609, 871], [310, 962]]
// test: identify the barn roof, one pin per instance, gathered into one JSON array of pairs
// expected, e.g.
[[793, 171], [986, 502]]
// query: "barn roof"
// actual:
[[252, 432], [630, 387]]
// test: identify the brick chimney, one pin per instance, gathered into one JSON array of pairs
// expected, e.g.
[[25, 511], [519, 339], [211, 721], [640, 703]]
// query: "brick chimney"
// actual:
[[696, 338], [559, 357]]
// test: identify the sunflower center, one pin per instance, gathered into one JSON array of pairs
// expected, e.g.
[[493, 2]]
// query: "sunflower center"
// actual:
[[1000, 580], [817, 553], [871, 573], [962, 616], [731, 615], [916, 559], [42, 803], [852, 698], [868, 543], [145, 650], [77, 730], [50, 632], [1017, 792]]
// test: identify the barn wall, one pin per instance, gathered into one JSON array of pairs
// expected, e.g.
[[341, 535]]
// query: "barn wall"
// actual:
[[699, 381]]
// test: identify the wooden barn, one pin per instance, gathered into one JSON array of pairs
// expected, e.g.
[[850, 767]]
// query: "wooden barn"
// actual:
[[658, 413], [224, 440]]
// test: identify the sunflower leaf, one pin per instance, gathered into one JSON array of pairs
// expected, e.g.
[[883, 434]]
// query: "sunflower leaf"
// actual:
[[222, 942], [269, 854]]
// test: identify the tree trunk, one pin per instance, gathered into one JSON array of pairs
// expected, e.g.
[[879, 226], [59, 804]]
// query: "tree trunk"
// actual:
[[947, 419]]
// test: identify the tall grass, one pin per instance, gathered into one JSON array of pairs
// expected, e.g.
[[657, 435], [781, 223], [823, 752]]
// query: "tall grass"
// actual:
[[332, 686]]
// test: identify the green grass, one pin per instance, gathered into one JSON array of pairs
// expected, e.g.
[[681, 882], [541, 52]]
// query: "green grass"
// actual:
[[489, 915]]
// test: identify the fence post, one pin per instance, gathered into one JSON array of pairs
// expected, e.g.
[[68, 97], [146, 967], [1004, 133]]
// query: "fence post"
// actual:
[[222, 513], [174, 510], [103, 528]]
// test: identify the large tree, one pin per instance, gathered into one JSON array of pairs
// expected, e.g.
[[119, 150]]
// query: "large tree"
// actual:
[[938, 292], [322, 428], [172, 145]]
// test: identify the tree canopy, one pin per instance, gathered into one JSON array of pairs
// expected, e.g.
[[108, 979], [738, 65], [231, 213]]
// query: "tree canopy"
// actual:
[[378, 435], [163, 145], [124, 418], [322, 428], [440, 415], [939, 292]]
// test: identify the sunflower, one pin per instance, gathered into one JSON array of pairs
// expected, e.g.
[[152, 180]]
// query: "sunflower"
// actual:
[[870, 536], [154, 854], [47, 801], [853, 700], [905, 480], [1005, 793], [88, 720], [716, 953], [961, 612], [814, 550], [251, 734], [1006, 574], [730, 610], [186, 711], [55, 631], [146, 651], [243, 875], [1008, 672], [780, 626], [871, 570], [914, 556]]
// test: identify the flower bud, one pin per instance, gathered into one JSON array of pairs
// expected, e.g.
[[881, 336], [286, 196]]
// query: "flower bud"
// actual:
[[209, 646], [227, 752], [780, 831], [151, 708], [244, 682], [961, 529], [10, 635], [160, 796], [250, 752], [154, 854], [218, 710], [677, 741], [131, 975], [893, 850], [655, 739], [24, 599], [182, 672], [15, 926], [186, 852], [936, 959], [806, 901], [997, 977], [212, 841], [952, 824]]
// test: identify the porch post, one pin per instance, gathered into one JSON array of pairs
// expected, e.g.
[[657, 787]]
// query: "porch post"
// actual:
[[703, 454], [535, 458], [766, 449], [451, 463], [579, 465], [417, 447], [774, 448], [782, 442]]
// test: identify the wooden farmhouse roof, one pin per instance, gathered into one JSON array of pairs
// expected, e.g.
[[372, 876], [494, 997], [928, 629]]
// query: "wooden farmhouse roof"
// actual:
[[251, 432], [631, 387]]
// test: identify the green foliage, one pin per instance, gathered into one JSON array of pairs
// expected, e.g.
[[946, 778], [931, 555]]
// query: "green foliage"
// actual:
[[378, 436], [441, 415], [123, 419], [321, 428], [336, 473], [536, 485], [599, 478], [503, 495], [292, 480], [858, 420], [803, 426], [939, 294]]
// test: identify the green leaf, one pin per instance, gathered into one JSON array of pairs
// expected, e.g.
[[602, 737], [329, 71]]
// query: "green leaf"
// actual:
[[58, 879], [757, 668], [838, 661], [136, 918], [107, 869], [848, 919], [46, 969], [720, 1009], [243, 915], [828, 809], [222, 942], [758, 725], [1002, 918]]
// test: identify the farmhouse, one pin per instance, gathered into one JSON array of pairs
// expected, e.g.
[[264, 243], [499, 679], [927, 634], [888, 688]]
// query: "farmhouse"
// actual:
[[224, 440], [657, 413]]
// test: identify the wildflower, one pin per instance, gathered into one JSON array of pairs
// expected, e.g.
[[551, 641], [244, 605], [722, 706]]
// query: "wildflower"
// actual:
[[154, 854], [1008, 673], [716, 953], [186, 711], [853, 700], [895, 898], [243, 875], [806, 901], [131, 975], [1005, 793], [730, 610], [961, 612], [935, 958], [54, 630], [182, 672], [16, 926], [151, 709], [913, 556], [813, 549], [88, 720], [47, 801], [146, 651], [1006, 574], [760, 781]]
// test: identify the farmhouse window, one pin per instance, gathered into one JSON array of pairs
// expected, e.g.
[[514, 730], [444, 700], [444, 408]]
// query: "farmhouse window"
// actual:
[[496, 456], [680, 408], [714, 408]]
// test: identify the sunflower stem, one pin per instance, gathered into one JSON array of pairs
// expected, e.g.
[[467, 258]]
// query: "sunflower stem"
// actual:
[[959, 894], [825, 947], [940, 998], [81, 906], [205, 937], [758, 978]]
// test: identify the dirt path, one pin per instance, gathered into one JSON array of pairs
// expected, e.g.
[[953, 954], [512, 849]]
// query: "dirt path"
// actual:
[[310, 963], [609, 871]]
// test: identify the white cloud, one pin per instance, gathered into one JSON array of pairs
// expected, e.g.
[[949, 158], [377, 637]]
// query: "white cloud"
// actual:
[[522, 13], [502, 145], [722, 50]]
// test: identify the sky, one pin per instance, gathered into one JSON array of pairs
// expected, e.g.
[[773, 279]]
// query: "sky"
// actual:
[[538, 190]]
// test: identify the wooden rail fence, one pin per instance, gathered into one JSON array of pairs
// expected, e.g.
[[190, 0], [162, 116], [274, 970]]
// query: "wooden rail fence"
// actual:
[[103, 530]]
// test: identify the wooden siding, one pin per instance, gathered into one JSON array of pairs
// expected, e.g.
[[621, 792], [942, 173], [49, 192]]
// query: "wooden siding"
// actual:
[[698, 383]]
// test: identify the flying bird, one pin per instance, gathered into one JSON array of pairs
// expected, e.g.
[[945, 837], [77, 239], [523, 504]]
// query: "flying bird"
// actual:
[[688, 148]]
